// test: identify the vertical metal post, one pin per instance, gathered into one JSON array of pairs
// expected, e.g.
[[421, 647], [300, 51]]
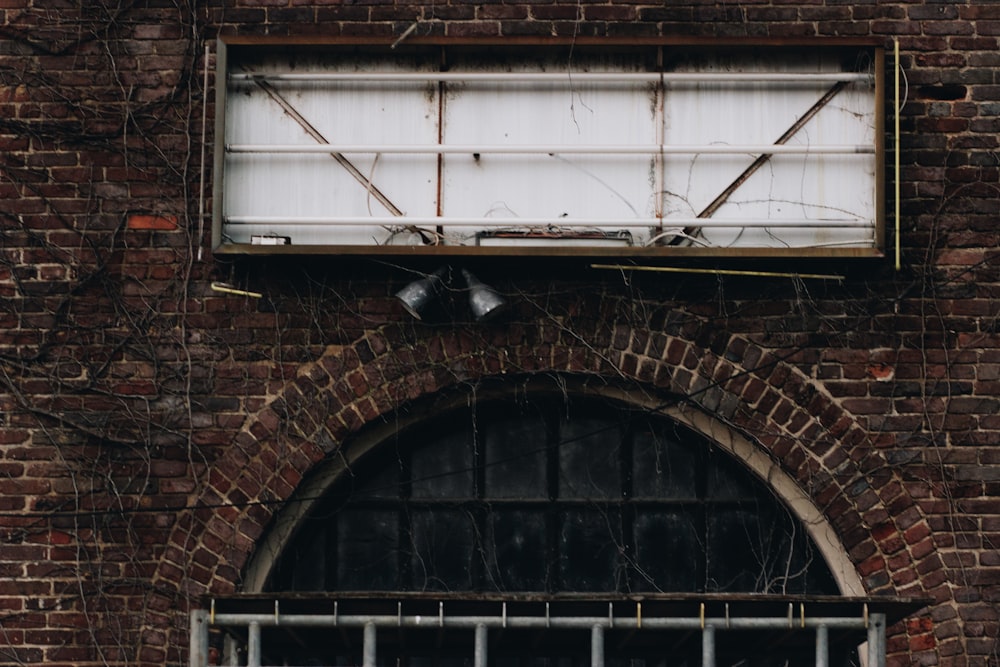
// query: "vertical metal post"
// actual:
[[369, 646], [199, 638], [480, 650], [231, 651], [253, 644], [822, 646], [708, 646], [895, 150], [876, 640], [597, 646]]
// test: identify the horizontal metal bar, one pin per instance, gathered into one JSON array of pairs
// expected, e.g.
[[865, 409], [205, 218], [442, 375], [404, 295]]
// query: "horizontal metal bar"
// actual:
[[553, 225], [569, 76], [432, 621], [563, 149]]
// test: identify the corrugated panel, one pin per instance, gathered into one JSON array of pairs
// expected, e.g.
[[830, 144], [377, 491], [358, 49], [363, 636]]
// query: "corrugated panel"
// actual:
[[789, 186], [291, 186], [549, 185]]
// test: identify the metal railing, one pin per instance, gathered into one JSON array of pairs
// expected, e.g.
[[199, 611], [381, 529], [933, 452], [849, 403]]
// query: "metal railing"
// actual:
[[872, 625]]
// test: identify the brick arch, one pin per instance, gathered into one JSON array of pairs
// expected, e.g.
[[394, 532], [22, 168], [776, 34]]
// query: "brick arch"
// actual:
[[755, 391]]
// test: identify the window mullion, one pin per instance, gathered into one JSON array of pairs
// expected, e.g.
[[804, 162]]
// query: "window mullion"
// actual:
[[406, 544], [626, 514], [479, 510], [553, 517]]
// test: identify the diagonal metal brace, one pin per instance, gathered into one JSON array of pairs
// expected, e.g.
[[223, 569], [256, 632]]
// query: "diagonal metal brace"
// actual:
[[318, 136], [762, 159]]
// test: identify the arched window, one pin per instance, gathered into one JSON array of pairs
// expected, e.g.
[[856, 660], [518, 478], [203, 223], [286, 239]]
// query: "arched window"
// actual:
[[550, 494], [558, 528]]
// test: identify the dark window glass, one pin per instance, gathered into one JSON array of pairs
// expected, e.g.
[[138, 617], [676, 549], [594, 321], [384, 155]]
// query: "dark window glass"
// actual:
[[662, 468], [444, 468], [515, 458], [515, 551], [382, 482], [550, 494], [736, 531], [442, 550], [367, 549], [589, 460], [668, 551], [726, 480], [590, 541]]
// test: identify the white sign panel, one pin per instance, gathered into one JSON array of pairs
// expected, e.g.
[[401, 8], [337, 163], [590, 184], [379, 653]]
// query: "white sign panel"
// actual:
[[379, 152]]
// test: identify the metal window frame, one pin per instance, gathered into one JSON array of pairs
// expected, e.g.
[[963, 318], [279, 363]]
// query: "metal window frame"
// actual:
[[659, 46]]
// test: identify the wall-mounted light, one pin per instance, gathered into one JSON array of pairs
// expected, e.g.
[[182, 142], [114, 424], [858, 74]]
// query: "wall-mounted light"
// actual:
[[416, 296], [484, 301]]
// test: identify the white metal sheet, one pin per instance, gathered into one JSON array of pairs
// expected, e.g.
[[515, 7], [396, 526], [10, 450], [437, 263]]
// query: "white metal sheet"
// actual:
[[296, 186], [550, 185], [641, 157], [811, 186]]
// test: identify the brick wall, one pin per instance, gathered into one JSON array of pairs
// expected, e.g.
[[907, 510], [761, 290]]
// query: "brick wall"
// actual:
[[150, 426]]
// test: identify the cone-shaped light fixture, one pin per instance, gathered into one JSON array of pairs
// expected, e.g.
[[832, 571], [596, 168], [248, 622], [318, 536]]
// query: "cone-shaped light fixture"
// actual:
[[483, 299], [416, 296]]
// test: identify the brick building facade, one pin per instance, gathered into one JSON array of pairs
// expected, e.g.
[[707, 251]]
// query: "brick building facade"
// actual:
[[152, 427]]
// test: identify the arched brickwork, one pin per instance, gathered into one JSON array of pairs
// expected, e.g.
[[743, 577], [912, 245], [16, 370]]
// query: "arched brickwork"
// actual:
[[764, 395]]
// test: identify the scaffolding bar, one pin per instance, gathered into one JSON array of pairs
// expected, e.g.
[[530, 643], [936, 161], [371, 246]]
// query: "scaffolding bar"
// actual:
[[253, 643], [551, 225], [576, 77], [368, 659], [876, 640], [561, 622], [846, 623], [199, 638], [597, 646], [230, 651], [708, 646], [556, 149], [822, 646], [480, 654]]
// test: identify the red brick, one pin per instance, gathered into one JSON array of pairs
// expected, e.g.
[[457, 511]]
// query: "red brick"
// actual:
[[161, 222]]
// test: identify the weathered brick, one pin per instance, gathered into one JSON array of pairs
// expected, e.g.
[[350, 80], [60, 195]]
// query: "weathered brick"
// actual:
[[127, 379]]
